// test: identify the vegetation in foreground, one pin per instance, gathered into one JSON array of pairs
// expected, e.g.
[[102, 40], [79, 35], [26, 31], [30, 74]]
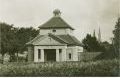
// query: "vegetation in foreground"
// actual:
[[90, 68]]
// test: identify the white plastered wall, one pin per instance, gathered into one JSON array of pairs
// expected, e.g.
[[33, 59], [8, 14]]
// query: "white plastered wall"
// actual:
[[74, 51], [58, 31]]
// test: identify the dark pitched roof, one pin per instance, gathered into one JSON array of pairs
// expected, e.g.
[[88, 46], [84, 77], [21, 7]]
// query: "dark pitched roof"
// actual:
[[55, 22], [70, 40], [57, 38], [65, 39]]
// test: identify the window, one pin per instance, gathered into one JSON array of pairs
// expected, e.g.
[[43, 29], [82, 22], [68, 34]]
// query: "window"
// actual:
[[54, 30], [39, 53], [70, 56]]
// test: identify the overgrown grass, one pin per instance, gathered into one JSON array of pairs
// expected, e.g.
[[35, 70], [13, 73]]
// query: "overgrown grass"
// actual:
[[91, 68]]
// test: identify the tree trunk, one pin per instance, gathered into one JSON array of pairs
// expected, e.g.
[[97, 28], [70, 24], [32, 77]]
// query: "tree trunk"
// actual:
[[119, 45], [17, 56], [11, 58], [2, 59]]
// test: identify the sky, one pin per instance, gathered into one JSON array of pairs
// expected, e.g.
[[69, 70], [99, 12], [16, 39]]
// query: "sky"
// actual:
[[83, 15]]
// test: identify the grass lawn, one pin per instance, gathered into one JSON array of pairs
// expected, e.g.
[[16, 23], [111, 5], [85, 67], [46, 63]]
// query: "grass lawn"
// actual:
[[90, 68]]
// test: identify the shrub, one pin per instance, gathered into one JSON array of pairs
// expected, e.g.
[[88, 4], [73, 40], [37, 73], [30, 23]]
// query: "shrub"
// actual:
[[90, 68]]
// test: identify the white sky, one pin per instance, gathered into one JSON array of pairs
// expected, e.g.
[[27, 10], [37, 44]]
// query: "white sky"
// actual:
[[83, 15]]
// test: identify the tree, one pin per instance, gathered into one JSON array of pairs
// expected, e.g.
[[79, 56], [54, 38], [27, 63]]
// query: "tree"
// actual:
[[116, 39], [7, 37], [14, 45], [12, 40], [109, 54], [91, 44], [113, 49], [24, 35]]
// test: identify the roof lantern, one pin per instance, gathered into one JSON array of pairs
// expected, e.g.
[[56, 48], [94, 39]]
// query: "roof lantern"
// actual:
[[56, 12]]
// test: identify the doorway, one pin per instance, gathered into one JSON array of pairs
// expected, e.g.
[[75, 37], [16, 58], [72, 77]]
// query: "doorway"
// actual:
[[50, 55]]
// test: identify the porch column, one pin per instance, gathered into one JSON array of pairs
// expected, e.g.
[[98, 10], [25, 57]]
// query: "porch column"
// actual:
[[35, 54], [42, 55], [63, 54], [57, 55], [75, 54]]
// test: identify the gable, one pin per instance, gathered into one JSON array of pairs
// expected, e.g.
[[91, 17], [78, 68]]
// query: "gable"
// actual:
[[47, 40]]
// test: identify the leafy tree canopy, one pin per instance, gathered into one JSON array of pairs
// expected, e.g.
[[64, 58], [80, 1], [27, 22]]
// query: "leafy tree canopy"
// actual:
[[24, 35], [12, 40], [116, 39], [92, 45]]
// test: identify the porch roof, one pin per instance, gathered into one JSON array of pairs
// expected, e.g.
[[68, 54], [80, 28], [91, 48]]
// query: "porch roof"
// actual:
[[65, 39]]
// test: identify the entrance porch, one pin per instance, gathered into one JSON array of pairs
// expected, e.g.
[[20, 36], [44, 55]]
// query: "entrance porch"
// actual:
[[52, 53]]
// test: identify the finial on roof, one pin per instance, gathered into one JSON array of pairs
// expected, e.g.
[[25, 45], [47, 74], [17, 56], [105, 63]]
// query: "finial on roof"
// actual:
[[56, 12]]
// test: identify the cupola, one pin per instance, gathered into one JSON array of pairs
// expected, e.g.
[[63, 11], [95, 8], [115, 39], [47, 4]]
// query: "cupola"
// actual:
[[57, 13]]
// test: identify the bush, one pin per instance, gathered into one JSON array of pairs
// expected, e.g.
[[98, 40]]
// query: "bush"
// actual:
[[91, 68]]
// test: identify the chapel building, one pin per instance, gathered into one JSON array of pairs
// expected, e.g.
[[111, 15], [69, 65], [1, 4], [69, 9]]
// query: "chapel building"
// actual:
[[55, 42]]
